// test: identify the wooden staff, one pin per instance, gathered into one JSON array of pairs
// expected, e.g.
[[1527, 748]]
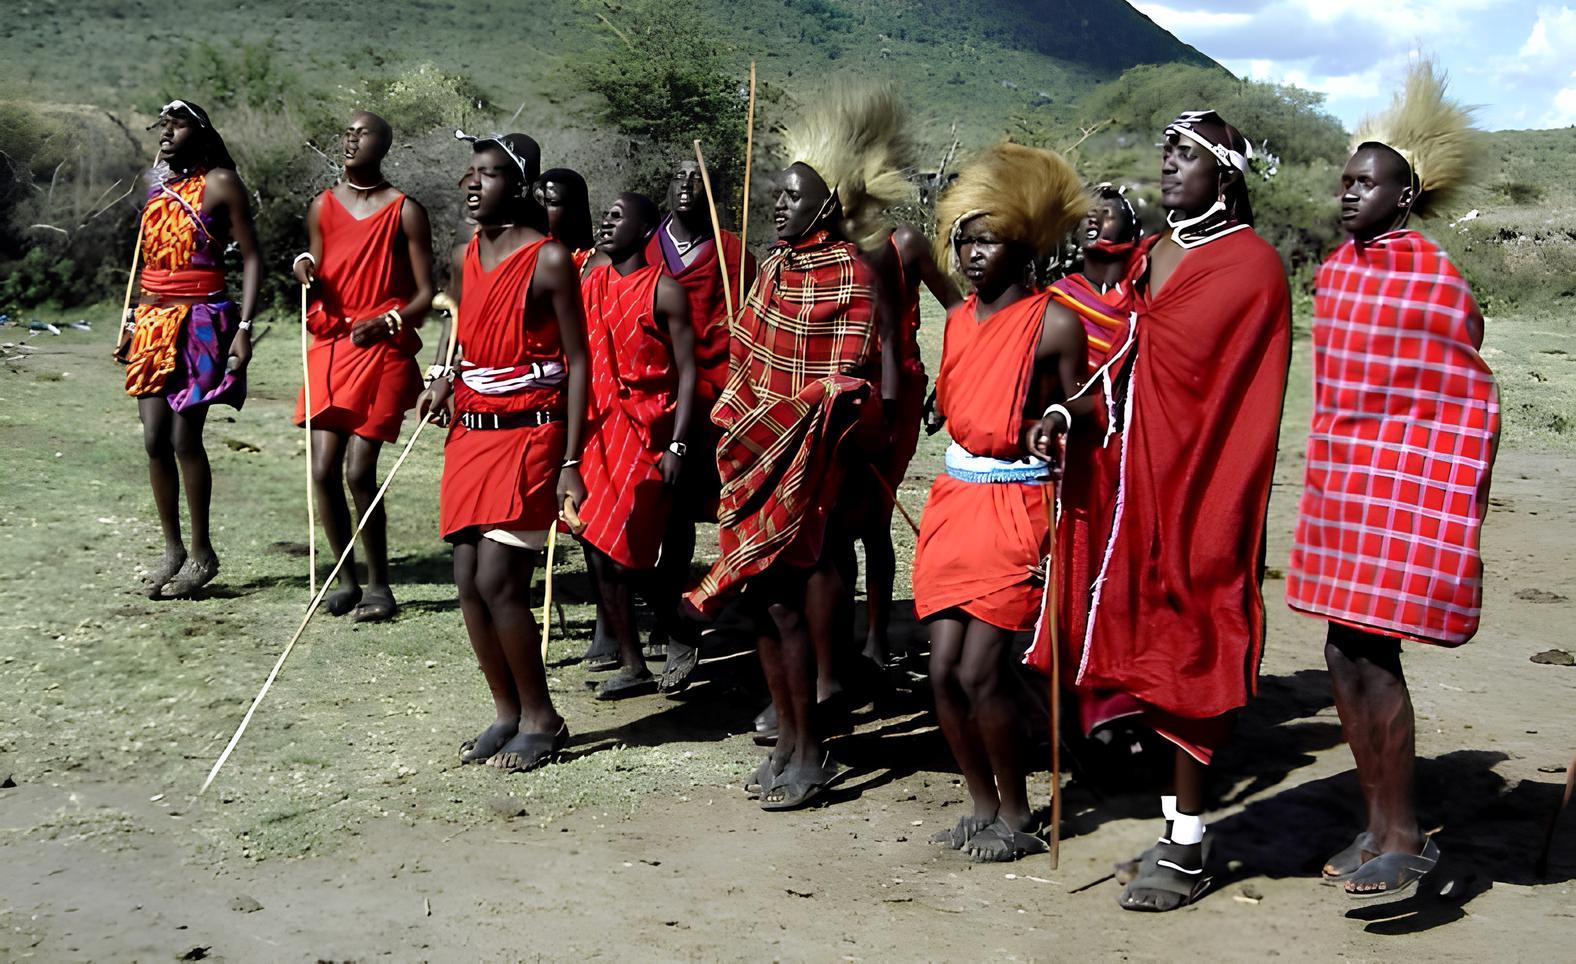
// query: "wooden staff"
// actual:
[[891, 495], [131, 283], [323, 590], [716, 231], [744, 216], [311, 509], [1053, 616]]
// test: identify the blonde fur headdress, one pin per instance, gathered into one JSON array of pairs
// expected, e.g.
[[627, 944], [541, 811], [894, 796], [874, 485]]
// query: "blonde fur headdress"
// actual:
[[1024, 194], [857, 141], [1432, 133]]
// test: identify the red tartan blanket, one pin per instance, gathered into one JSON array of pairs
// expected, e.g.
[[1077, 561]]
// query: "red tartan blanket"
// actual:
[[795, 377], [1405, 424]]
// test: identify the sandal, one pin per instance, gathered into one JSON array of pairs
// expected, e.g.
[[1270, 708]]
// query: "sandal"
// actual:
[[766, 726], [527, 751], [1397, 872], [763, 779], [1168, 882], [682, 661], [796, 789], [626, 683], [958, 837], [377, 605], [1348, 861], [998, 843]]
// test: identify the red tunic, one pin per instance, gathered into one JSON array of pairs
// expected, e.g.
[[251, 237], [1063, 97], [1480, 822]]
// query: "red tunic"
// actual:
[[365, 272], [795, 385], [633, 385], [1177, 619], [702, 281], [503, 478], [1405, 423], [978, 541]]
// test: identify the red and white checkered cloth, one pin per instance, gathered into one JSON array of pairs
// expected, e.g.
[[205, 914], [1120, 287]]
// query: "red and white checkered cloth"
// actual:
[[1405, 424]]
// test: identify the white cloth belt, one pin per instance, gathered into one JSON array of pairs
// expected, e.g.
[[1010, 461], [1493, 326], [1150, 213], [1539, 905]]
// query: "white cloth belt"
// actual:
[[515, 378]]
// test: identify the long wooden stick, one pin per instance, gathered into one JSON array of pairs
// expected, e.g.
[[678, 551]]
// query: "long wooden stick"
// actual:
[[716, 231], [311, 502], [317, 600], [749, 151], [125, 337], [891, 495], [547, 590], [1053, 613]]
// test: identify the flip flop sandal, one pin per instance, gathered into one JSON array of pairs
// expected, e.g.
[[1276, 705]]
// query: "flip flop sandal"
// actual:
[[682, 661], [958, 837], [799, 792], [998, 843], [1348, 861], [625, 684], [602, 663], [1168, 875], [539, 749], [763, 779], [375, 607], [1398, 872]]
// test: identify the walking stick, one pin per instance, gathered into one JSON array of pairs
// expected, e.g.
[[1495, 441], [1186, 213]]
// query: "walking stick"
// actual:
[[716, 231], [1053, 615], [744, 216], [328, 580], [131, 283], [891, 495], [311, 510]]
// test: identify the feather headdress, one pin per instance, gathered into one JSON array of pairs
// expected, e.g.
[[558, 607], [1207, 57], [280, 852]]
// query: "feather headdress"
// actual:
[[857, 141], [1432, 133], [1024, 194]]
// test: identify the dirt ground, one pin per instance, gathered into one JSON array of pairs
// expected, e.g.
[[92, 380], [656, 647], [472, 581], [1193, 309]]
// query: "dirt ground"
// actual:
[[344, 828]]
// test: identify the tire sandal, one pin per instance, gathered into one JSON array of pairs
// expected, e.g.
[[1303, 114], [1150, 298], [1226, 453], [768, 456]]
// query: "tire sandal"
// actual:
[[531, 750], [625, 684], [958, 837], [682, 661], [1348, 861], [796, 789], [1169, 876], [1398, 872], [763, 779], [998, 843], [376, 606]]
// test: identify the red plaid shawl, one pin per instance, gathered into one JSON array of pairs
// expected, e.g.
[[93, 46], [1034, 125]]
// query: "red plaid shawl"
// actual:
[[1405, 423], [794, 379]]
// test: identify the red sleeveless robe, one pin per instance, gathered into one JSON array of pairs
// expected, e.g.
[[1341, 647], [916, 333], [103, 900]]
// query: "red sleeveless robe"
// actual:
[[365, 272], [978, 541], [502, 478], [633, 386], [1177, 619]]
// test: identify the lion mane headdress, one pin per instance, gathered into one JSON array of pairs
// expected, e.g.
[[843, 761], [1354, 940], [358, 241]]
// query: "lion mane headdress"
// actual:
[[857, 140], [1024, 194], [1432, 133]]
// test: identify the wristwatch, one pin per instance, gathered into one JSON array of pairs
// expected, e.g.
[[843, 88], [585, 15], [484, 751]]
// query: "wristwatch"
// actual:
[[678, 448]]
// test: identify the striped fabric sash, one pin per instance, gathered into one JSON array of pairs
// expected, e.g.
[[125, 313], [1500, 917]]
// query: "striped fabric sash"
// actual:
[[514, 378]]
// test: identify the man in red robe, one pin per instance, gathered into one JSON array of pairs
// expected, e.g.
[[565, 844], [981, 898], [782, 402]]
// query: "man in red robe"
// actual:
[[642, 400], [1008, 353], [1176, 619], [369, 265], [685, 247], [513, 454], [1405, 427]]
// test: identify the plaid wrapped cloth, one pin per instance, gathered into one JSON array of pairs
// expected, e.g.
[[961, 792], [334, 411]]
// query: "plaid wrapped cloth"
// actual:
[[1405, 424], [795, 380]]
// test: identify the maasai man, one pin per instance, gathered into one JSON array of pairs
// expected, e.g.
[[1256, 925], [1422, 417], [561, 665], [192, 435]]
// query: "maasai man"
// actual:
[[563, 194], [903, 262], [369, 263], [1176, 619], [186, 344], [799, 381], [687, 250], [1007, 353], [1405, 426], [642, 401], [513, 453]]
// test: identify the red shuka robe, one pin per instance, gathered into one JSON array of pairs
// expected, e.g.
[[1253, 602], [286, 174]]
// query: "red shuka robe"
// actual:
[[1405, 424], [633, 385], [978, 541], [365, 272], [912, 383], [503, 478], [1176, 619], [795, 381]]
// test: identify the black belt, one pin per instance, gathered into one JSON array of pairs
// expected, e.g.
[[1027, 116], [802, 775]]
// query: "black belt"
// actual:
[[488, 421]]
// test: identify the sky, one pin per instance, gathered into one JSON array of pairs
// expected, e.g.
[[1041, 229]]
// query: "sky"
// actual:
[[1515, 59]]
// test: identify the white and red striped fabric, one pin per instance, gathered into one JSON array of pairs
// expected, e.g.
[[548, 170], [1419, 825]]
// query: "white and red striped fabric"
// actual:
[[1405, 425]]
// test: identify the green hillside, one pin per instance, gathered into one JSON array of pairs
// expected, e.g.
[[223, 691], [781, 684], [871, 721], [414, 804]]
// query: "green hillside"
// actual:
[[970, 63]]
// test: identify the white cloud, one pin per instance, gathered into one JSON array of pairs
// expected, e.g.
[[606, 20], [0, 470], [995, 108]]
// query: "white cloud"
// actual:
[[1553, 36]]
